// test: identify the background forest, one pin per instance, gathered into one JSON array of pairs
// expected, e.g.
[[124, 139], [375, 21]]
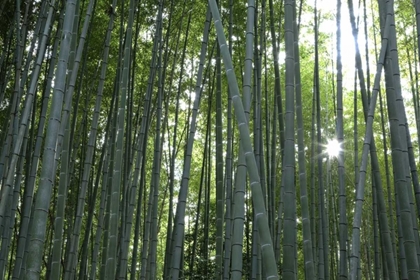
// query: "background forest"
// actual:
[[225, 139]]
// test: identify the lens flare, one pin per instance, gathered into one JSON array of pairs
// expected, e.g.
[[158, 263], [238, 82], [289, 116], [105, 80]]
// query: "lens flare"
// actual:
[[333, 148]]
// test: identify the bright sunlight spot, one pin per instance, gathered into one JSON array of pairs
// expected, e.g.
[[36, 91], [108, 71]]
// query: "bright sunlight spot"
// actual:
[[333, 148]]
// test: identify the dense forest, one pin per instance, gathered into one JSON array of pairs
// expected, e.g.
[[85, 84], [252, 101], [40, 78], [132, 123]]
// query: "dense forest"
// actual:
[[219, 139]]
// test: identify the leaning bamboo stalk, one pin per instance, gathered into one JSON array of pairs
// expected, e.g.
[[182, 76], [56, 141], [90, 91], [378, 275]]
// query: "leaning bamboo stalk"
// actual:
[[257, 197], [355, 252]]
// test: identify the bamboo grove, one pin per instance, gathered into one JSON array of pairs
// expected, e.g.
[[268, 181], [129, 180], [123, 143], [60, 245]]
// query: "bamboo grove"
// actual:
[[179, 139]]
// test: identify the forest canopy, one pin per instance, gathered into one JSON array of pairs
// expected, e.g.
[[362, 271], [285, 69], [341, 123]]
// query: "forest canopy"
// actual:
[[214, 139]]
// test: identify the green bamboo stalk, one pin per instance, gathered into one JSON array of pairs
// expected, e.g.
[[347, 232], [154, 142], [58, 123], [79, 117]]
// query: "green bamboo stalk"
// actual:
[[203, 175], [102, 207], [417, 8], [13, 109], [343, 271], [403, 132], [154, 186], [255, 272], [408, 229], [219, 171], [312, 184], [7, 188], [239, 192], [355, 252], [112, 118], [377, 264], [155, 183], [65, 133], [288, 175], [174, 142], [12, 200], [323, 264], [261, 220], [104, 171], [277, 88], [32, 170], [111, 263], [306, 221], [393, 251], [10, 222], [139, 169], [228, 170], [411, 157], [178, 232], [43, 196], [148, 257]]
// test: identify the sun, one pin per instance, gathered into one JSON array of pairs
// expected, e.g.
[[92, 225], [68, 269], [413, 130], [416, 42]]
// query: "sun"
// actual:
[[333, 148]]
